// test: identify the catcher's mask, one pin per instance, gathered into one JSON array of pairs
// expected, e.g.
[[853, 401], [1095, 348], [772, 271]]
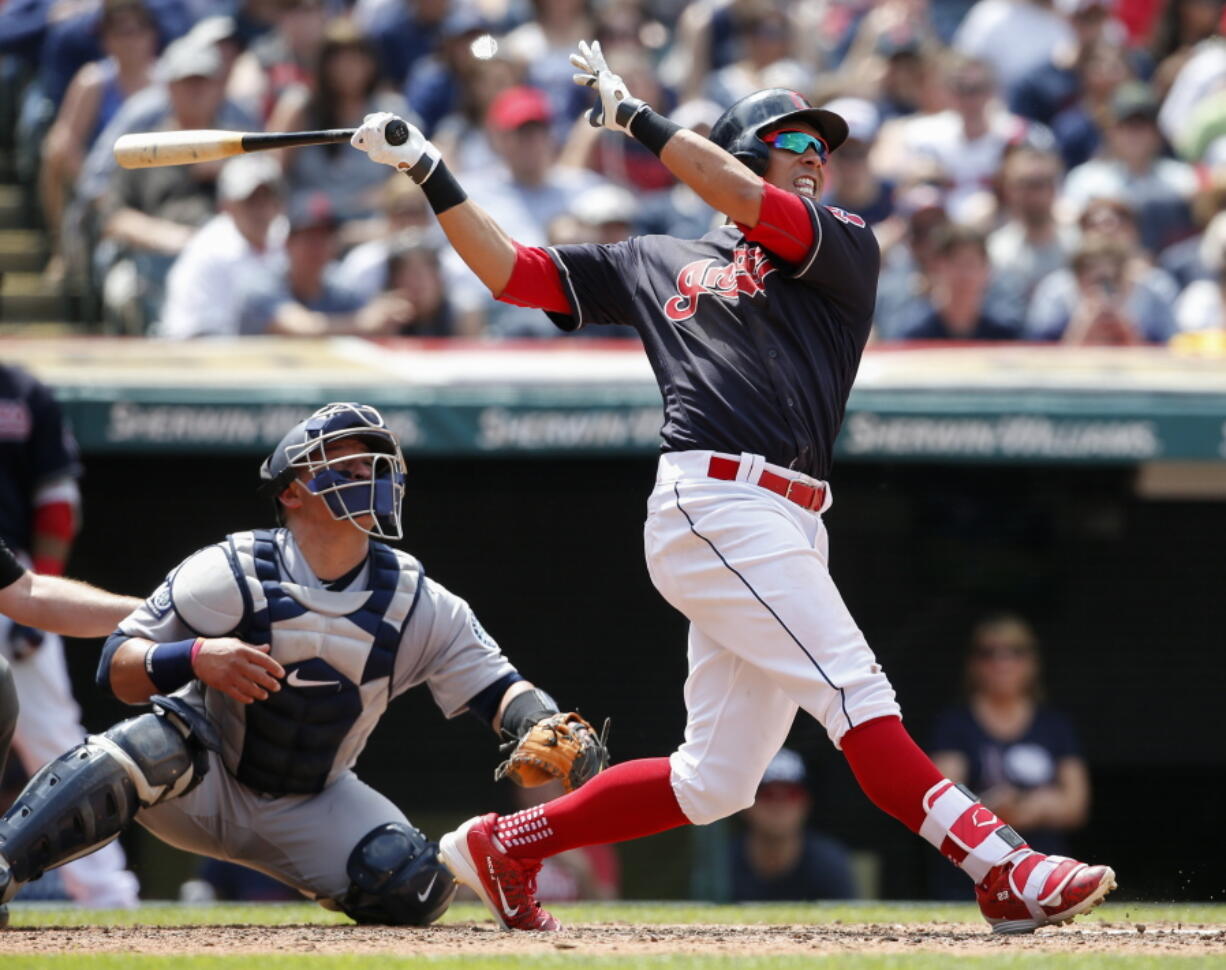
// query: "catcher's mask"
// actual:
[[739, 129], [346, 497]]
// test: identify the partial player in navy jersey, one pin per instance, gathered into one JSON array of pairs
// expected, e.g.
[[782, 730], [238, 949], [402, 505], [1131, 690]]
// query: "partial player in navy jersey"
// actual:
[[39, 512], [754, 333]]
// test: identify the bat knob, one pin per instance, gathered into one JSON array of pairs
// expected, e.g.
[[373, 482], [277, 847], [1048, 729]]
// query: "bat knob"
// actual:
[[396, 132]]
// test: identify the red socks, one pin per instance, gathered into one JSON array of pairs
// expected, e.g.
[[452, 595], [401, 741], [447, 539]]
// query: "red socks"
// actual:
[[891, 769], [627, 801]]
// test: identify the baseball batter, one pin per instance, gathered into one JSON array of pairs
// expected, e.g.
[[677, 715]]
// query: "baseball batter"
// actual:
[[754, 332], [39, 512], [280, 649]]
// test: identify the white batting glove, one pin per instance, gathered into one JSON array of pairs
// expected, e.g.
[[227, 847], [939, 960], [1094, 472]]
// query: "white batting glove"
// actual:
[[417, 156], [617, 107]]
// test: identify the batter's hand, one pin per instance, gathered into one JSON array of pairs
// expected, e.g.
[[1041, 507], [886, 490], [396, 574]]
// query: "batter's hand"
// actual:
[[239, 670], [616, 106], [417, 157]]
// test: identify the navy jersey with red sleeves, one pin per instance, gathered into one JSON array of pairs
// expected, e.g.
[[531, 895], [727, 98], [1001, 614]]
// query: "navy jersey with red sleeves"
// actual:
[[751, 353], [35, 447]]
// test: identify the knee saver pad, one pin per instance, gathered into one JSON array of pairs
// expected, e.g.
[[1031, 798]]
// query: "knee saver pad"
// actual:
[[395, 878], [159, 760]]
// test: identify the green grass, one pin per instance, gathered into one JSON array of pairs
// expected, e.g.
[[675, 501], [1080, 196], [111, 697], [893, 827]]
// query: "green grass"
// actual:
[[1122, 915]]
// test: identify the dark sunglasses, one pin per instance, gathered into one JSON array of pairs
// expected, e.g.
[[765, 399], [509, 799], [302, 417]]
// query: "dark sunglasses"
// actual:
[[797, 142]]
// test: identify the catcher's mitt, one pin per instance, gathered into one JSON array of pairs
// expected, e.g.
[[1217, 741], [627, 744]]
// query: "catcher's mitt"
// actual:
[[562, 746]]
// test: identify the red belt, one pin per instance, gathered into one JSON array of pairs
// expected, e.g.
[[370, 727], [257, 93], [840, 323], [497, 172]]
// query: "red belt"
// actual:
[[811, 497]]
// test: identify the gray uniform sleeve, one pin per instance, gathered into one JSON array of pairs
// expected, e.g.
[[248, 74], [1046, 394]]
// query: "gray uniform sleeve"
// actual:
[[445, 647], [200, 597]]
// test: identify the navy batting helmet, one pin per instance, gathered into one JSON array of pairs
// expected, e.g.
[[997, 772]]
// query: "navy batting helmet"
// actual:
[[738, 129], [304, 447]]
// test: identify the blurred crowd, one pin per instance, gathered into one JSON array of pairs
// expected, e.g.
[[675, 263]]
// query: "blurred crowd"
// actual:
[[1038, 170]]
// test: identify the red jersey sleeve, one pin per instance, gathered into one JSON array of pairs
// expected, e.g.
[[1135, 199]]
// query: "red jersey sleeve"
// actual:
[[784, 226], [535, 282]]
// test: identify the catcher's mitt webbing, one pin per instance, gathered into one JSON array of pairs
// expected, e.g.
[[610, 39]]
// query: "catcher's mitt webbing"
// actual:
[[562, 746], [524, 710]]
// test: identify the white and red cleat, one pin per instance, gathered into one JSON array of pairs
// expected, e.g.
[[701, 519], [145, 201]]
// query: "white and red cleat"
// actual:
[[1029, 890], [507, 886]]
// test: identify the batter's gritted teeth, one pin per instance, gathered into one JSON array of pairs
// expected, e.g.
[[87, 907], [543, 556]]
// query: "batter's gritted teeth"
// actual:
[[806, 185]]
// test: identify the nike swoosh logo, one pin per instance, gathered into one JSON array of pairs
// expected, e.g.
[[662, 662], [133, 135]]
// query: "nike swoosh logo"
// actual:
[[502, 896], [421, 896], [295, 679]]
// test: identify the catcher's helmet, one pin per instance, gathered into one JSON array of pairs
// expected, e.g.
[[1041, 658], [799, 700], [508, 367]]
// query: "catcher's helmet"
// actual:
[[738, 128], [346, 497]]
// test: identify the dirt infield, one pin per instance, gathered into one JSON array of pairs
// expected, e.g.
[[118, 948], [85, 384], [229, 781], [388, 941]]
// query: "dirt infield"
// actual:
[[615, 939]]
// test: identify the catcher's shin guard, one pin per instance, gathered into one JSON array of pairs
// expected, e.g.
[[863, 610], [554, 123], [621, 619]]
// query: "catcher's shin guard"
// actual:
[[396, 879], [85, 798]]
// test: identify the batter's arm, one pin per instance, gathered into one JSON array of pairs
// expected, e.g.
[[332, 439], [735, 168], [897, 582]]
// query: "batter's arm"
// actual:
[[61, 605], [719, 179], [476, 237]]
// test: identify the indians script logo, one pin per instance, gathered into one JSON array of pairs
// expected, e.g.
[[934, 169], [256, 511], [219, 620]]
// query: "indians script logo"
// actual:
[[745, 274]]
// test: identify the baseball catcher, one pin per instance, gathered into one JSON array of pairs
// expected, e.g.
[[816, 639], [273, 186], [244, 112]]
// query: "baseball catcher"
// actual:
[[269, 657]]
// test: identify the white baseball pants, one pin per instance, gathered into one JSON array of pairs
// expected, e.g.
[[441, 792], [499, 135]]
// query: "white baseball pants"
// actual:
[[769, 632]]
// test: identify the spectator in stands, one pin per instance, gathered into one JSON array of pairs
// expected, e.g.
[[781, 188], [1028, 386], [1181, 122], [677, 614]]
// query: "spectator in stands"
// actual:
[[403, 32], [402, 207], [345, 88], [1199, 80], [543, 45], [905, 76], [1101, 69], [1135, 290], [969, 138], [902, 288], [1022, 757], [415, 273], [765, 61], [281, 58], [524, 200], [129, 37], [1133, 170], [777, 858], [461, 136], [1183, 25], [1202, 305], [957, 294], [1051, 87], [1030, 244], [851, 182], [148, 215], [1017, 36], [435, 82], [308, 301], [1195, 258], [234, 253]]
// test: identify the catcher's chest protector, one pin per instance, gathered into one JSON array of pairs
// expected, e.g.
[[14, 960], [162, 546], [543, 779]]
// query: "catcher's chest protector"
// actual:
[[338, 651]]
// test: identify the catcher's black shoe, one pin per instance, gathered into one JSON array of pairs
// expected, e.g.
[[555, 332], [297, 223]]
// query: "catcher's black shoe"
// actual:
[[5, 879]]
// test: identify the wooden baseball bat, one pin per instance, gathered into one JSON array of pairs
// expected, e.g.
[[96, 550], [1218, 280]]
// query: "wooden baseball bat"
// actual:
[[153, 149]]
